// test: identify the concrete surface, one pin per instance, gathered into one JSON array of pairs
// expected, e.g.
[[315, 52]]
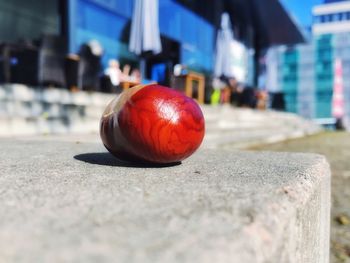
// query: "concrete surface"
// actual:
[[66, 201]]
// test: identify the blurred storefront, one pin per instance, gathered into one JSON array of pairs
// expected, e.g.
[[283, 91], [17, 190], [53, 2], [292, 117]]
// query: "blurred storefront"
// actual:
[[188, 29], [26, 20], [188, 32], [186, 37]]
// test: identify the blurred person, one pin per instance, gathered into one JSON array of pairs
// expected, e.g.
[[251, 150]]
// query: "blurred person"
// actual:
[[180, 69], [248, 98], [277, 101], [90, 65], [126, 72], [96, 47], [225, 96], [235, 89], [135, 75], [71, 71], [114, 72], [218, 85], [177, 70], [262, 98]]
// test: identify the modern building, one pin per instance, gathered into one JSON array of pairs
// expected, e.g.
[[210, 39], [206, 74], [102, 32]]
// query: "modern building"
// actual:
[[20, 20], [306, 71], [188, 29], [186, 37]]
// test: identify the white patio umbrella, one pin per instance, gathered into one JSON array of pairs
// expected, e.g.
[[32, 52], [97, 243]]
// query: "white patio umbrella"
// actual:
[[223, 48], [144, 34]]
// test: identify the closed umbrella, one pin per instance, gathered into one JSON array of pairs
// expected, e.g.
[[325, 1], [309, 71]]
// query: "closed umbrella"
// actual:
[[144, 36], [231, 55], [223, 48], [272, 70]]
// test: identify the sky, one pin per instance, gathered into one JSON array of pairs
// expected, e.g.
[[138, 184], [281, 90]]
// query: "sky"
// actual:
[[300, 10]]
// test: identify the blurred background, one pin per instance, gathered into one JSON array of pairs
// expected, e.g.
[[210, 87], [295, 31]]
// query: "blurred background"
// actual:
[[266, 54], [263, 71], [283, 55]]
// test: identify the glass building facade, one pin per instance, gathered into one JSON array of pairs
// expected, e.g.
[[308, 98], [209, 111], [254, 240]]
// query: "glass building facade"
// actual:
[[328, 18], [289, 77], [307, 71], [108, 21], [333, 1], [307, 75], [19, 20]]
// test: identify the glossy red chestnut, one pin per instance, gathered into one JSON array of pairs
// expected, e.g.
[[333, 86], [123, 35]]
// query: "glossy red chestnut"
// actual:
[[152, 124]]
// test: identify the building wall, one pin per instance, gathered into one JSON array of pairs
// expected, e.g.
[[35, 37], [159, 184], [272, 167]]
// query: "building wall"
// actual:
[[109, 22], [28, 19], [314, 80], [103, 20], [333, 1], [323, 75], [307, 75], [307, 78], [306, 83], [290, 78]]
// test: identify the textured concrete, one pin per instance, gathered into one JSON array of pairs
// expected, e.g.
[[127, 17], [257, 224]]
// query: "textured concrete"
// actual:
[[65, 201]]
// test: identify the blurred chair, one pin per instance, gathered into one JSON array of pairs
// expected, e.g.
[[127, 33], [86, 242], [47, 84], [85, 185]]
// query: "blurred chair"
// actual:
[[159, 73], [52, 53], [71, 72], [192, 84], [278, 101], [5, 73], [106, 85], [248, 98], [89, 67], [19, 63]]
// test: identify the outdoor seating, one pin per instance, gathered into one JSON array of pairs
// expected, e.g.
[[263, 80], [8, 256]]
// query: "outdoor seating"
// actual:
[[52, 53], [192, 84]]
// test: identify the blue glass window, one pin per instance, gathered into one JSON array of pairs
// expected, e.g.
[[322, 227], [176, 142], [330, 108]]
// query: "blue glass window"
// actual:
[[329, 18], [317, 19], [108, 21]]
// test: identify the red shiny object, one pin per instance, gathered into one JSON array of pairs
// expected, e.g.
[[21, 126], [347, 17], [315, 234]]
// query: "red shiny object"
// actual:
[[152, 124]]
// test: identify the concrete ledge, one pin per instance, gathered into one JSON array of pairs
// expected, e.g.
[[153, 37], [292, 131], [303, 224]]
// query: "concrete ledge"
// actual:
[[73, 202], [32, 111], [23, 93], [242, 128]]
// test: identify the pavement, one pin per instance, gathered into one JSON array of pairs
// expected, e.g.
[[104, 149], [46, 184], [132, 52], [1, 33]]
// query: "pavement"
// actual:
[[65, 200]]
